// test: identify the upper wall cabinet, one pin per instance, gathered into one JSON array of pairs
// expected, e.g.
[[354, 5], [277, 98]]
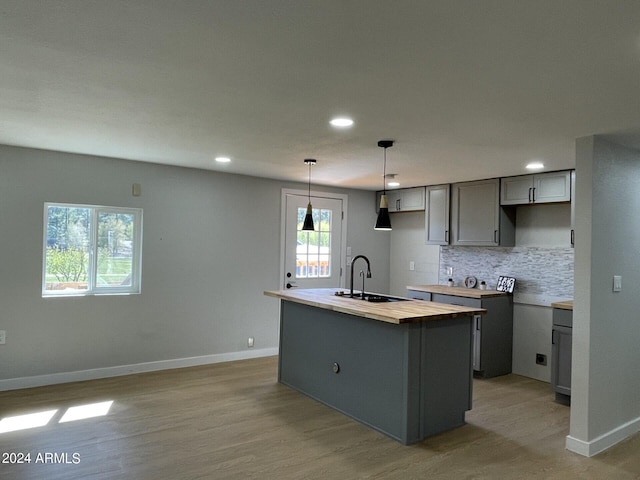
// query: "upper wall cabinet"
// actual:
[[477, 219], [541, 188], [404, 199], [436, 220]]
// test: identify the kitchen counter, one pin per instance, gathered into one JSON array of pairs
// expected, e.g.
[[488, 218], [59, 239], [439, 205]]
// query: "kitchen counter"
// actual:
[[398, 312], [403, 368], [457, 291], [565, 305]]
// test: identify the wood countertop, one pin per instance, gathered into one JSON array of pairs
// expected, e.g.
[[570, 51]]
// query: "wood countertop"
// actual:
[[457, 291], [565, 305], [406, 311]]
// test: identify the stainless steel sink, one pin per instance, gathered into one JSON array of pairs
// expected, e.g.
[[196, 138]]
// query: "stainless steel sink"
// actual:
[[377, 298]]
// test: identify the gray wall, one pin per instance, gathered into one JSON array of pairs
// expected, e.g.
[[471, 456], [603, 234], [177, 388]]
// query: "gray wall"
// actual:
[[606, 332], [211, 246]]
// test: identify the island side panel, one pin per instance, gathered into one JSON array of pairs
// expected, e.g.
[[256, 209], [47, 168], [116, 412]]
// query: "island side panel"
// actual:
[[447, 374], [378, 380]]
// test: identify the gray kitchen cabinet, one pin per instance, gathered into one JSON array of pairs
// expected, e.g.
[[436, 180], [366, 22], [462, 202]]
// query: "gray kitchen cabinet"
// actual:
[[540, 188], [477, 218], [492, 332], [561, 339], [437, 214], [403, 200]]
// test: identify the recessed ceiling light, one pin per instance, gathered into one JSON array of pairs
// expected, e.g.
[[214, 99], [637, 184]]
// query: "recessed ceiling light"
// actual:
[[223, 159], [342, 122], [392, 182], [535, 166]]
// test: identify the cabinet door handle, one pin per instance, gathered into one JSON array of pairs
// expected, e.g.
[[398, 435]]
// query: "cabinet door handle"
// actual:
[[478, 319], [398, 207], [573, 237], [495, 236], [446, 236], [533, 197], [553, 337], [530, 188]]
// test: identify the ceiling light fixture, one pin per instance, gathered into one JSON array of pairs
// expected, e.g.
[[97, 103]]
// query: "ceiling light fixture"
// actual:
[[308, 218], [392, 182], [535, 166], [342, 122], [383, 221], [223, 159]]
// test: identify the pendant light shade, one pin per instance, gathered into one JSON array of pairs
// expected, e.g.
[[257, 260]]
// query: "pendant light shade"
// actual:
[[308, 218], [383, 222]]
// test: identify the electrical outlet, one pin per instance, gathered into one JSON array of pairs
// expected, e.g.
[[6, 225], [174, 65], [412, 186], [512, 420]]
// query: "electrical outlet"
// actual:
[[541, 359], [3, 337], [250, 342]]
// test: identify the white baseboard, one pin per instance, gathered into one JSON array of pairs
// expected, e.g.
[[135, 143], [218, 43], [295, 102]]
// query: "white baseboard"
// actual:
[[603, 442], [81, 375]]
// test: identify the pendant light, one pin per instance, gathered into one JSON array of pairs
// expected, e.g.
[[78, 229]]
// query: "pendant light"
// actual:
[[384, 222], [308, 218]]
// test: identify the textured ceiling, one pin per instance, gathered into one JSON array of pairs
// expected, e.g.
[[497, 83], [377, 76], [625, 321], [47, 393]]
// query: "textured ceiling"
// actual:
[[467, 89]]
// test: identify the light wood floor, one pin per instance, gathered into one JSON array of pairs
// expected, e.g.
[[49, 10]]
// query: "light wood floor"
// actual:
[[234, 421]]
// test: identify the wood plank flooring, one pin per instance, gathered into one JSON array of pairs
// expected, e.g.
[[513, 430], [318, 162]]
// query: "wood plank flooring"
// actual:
[[234, 421]]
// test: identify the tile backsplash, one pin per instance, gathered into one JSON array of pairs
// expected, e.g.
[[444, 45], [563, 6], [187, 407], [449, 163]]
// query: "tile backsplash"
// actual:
[[539, 271]]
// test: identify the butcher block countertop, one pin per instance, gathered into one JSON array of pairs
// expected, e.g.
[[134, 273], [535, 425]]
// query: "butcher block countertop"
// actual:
[[457, 291], [565, 305], [406, 311]]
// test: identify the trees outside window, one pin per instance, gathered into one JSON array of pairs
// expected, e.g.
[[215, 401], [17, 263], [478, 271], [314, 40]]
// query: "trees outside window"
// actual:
[[91, 250]]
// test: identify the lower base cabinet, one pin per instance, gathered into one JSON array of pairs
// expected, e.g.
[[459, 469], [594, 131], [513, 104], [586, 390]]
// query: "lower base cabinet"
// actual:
[[561, 339], [492, 332]]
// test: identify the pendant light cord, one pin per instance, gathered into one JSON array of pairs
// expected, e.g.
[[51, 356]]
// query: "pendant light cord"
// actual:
[[311, 162], [384, 173], [309, 182]]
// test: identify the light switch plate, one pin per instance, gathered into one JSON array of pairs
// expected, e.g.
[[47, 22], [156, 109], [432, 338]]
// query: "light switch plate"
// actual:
[[617, 283]]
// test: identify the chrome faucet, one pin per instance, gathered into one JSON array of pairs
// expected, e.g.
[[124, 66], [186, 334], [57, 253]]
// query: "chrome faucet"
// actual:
[[353, 262]]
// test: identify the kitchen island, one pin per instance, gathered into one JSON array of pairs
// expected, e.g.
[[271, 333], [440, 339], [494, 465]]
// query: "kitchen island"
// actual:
[[402, 367]]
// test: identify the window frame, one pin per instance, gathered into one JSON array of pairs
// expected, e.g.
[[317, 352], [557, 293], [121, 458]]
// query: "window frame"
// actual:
[[92, 287]]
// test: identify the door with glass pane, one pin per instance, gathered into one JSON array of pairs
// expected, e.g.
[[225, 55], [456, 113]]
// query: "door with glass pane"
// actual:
[[312, 259]]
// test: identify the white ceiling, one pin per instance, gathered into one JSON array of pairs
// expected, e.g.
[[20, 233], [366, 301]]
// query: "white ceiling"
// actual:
[[467, 89]]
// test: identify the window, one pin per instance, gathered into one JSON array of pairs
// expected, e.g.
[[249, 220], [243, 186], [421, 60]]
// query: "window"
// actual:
[[91, 250], [313, 252]]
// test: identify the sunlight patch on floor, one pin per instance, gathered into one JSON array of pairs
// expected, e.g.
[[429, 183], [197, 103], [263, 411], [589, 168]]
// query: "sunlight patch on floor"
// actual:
[[40, 419], [86, 411], [24, 422]]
